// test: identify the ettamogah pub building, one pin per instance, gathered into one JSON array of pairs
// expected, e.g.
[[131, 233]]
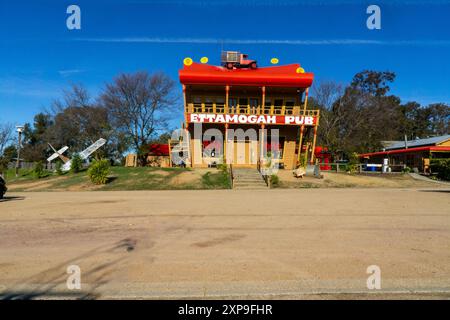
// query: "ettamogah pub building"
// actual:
[[253, 101]]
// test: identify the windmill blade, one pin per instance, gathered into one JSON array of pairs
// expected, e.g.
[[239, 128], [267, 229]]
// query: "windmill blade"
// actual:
[[92, 148], [62, 150], [57, 153], [52, 157]]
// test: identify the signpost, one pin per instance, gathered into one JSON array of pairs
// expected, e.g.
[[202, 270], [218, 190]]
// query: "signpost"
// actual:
[[19, 130]]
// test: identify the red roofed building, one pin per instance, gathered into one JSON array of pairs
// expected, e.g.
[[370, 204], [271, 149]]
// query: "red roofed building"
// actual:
[[158, 149], [237, 103], [415, 154]]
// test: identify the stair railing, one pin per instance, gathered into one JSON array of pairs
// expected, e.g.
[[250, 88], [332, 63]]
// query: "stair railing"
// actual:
[[263, 173]]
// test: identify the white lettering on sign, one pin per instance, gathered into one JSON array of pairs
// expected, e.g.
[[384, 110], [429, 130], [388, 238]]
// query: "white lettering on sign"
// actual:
[[250, 119]]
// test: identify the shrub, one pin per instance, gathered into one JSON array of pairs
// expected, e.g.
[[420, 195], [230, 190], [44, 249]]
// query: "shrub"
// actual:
[[353, 162], [274, 180], [441, 167], [38, 170], [98, 172], [58, 167], [303, 161], [222, 167], [76, 164], [406, 170]]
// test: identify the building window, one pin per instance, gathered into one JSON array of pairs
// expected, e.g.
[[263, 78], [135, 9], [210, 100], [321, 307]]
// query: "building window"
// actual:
[[289, 106], [267, 106], [212, 148], [243, 105], [254, 105], [197, 104], [232, 105], [278, 106], [209, 105]]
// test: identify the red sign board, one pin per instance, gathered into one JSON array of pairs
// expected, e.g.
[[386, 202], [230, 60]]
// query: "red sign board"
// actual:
[[251, 119]]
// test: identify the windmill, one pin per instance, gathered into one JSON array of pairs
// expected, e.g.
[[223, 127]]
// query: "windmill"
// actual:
[[83, 154], [58, 154]]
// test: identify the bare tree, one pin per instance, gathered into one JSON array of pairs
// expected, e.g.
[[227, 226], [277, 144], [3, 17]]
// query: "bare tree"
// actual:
[[140, 106], [79, 120], [74, 97], [6, 135], [328, 97]]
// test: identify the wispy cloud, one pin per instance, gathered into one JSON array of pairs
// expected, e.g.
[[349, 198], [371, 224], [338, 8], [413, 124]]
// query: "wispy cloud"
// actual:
[[321, 42], [284, 3], [69, 72], [30, 87]]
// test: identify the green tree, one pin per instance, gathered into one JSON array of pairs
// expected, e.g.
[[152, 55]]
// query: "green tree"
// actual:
[[38, 170], [35, 138], [76, 163], [439, 118], [375, 83]]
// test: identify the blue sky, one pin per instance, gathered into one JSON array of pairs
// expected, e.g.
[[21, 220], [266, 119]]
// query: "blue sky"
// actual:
[[40, 56]]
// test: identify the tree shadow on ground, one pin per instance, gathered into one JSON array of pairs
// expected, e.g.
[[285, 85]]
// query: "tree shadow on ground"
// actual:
[[48, 280], [11, 198]]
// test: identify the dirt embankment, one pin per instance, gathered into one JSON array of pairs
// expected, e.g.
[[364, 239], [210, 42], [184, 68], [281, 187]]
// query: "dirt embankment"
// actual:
[[346, 180]]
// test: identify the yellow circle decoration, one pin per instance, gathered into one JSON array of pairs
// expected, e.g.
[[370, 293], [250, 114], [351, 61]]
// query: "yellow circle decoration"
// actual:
[[204, 60], [300, 70], [187, 61], [274, 61]]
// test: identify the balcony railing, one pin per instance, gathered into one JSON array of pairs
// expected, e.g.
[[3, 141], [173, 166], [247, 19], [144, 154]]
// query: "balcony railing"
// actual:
[[248, 109]]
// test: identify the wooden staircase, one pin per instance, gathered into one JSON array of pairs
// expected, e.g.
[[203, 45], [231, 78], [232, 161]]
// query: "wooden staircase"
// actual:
[[248, 179]]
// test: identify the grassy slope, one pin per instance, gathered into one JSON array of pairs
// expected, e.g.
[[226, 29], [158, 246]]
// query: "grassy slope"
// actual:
[[122, 179]]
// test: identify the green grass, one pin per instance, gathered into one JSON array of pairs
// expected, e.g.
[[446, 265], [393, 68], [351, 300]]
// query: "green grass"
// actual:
[[216, 180], [122, 178], [24, 175]]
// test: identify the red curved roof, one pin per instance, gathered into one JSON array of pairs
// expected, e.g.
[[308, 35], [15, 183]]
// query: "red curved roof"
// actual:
[[279, 76]]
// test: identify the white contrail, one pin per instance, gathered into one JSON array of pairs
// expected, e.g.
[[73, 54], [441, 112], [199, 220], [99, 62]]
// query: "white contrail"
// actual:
[[270, 41]]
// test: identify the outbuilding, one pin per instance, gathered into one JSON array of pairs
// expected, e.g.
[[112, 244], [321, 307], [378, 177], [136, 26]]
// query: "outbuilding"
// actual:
[[415, 154]]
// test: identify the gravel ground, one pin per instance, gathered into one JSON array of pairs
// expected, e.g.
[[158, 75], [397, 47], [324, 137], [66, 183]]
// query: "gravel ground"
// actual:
[[291, 243]]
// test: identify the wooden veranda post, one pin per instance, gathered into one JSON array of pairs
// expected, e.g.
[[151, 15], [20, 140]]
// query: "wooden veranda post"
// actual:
[[184, 104], [225, 147], [313, 150], [227, 96], [263, 99], [316, 125], [261, 153], [302, 128], [306, 101]]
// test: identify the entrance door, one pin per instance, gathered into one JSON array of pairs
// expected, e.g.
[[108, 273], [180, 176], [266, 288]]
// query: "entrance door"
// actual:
[[245, 153]]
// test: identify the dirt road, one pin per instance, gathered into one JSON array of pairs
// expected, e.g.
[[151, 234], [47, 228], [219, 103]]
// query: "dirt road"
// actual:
[[313, 243]]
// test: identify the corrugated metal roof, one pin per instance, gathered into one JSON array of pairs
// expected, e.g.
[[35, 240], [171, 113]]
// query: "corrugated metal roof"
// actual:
[[419, 142]]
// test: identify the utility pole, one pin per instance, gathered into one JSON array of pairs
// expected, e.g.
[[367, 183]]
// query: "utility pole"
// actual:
[[19, 130]]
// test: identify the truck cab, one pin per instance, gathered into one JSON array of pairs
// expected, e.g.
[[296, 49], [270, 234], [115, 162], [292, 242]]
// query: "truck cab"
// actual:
[[237, 60]]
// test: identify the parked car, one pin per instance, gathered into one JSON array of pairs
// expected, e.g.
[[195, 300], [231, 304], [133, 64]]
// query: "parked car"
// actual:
[[3, 187]]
